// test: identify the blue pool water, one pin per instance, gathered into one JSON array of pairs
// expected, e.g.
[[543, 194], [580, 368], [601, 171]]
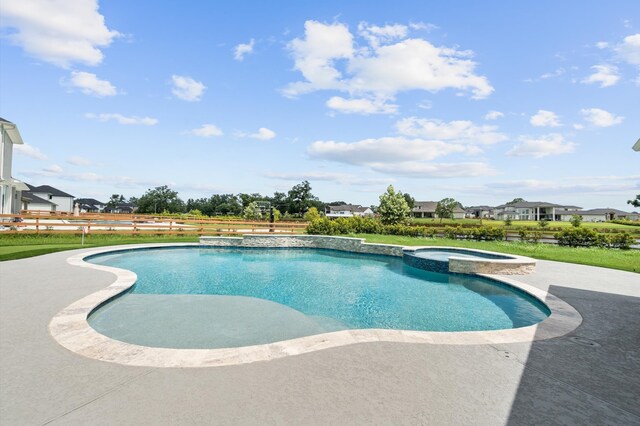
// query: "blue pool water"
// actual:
[[445, 254], [214, 298]]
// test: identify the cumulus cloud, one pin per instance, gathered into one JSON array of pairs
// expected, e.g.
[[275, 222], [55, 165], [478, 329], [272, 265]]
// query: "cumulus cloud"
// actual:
[[600, 118], [207, 131], [629, 49], [79, 161], [385, 64], [361, 106], [605, 75], [459, 131], [243, 49], [416, 169], [542, 146], [341, 178], [263, 134], [29, 151], [186, 88], [545, 118], [58, 32], [493, 115], [121, 119], [90, 84]]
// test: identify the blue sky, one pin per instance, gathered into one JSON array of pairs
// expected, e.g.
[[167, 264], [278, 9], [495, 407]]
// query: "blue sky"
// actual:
[[479, 101]]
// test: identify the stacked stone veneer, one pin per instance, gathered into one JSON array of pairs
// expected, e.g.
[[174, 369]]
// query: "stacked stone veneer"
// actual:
[[519, 265], [356, 245]]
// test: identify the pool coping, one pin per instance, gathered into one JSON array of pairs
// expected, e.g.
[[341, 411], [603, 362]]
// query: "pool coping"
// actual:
[[70, 328]]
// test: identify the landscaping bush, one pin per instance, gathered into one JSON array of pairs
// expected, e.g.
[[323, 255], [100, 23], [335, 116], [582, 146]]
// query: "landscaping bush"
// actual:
[[579, 237], [622, 240], [322, 226], [625, 222], [527, 236]]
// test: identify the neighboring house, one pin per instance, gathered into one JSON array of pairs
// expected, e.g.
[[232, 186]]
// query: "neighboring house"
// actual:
[[90, 205], [62, 202], [10, 188], [125, 208], [427, 209], [532, 210], [34, 203], [599, 215], [479, 212], [349, 210]]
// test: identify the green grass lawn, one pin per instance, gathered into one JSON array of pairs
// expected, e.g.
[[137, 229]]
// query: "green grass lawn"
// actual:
[[626, 260], [16, 246]]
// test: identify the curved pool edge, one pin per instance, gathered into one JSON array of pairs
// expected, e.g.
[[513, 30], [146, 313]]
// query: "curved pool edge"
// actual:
[[70, 328]]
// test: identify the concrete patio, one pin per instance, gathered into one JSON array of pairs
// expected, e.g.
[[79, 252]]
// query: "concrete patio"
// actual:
[[590, 376]]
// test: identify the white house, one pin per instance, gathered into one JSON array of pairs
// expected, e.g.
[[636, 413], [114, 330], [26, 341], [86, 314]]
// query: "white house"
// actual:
[[90, 205], [10, 188], [532, 210], [599, 215], [349, 210], [59, 201], [427, 209]]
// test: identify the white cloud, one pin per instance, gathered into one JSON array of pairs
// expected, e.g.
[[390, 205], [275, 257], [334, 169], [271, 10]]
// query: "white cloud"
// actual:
[[602, 45], [384, 150], [90, 84], [542, 146], [79, 161], [386, 64], [29, 151], [416, 169], [341, 178], [186, 88], [146, 121], [243, 49], [493, 115], [605, 75], [545, 118], [578, 126], [58, 32], [557, 73], [629, 49], [585, 185], [600, 118], [207, 131], [53, 169], [361, 106], [263, 134], [459, 131]]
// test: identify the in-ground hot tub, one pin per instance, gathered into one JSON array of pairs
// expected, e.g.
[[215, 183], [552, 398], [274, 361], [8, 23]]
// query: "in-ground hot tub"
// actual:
[[466, 261]]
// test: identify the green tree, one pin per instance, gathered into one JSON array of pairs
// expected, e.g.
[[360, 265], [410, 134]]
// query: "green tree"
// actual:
[[516, 200], [311, 214], [445, 208], [300, 198], [576, 220], [115, 200], [636, 202], [393, 207], [411, 202], [252, 211], [160, 199]]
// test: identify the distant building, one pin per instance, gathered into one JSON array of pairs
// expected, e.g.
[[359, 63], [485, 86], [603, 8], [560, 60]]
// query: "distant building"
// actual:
[[10, 188], [124, 208], [58, 201], [349, 210], [427, 209], [532, 210], [479, 212], [90, 205], [599, 215]]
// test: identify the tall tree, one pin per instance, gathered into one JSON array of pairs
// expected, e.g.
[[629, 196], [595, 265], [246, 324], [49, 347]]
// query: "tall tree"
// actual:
[[115, 200], [636, 202], [393, 207], [411, 202], [445, 208], [160, 199], [300, 198], [515, 200]]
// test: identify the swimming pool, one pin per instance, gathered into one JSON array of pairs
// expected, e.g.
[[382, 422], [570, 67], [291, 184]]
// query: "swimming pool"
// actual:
[[232, 297]]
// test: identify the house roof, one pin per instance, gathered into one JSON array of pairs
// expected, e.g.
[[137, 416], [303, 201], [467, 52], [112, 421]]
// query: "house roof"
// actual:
[[30, 198], [89, 201], [430, 206], [12, 131], [47, 189], [533, 204], [479, 208], [598, 212], [348, 207]]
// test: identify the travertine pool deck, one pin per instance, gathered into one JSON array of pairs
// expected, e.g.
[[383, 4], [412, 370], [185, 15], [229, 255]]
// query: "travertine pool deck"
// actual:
[[589, 376]]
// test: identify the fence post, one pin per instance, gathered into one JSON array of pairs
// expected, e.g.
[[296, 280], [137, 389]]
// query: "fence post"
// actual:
[[37, 224]]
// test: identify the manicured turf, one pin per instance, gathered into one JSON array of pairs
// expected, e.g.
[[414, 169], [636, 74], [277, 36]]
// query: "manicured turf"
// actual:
[[627, 260]]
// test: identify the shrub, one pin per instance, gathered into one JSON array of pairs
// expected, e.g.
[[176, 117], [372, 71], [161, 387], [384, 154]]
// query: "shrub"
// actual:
[[622, 240], [579, 237], [322, 226], [508, 222], [543, 223], [312, 214], [576, 220], [527, 236]]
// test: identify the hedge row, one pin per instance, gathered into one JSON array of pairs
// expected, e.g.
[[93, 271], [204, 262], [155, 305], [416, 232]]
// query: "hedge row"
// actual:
[[585, 237], [362, 225]]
